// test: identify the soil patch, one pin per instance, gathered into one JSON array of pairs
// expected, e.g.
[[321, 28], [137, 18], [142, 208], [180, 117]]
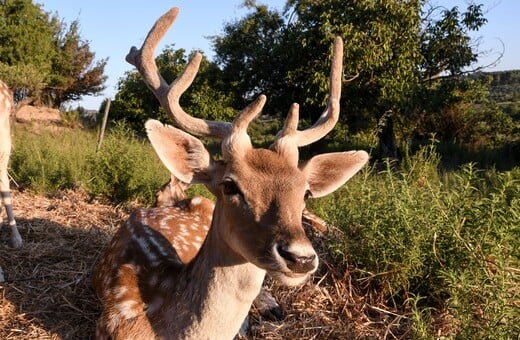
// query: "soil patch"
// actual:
[[29, 113]]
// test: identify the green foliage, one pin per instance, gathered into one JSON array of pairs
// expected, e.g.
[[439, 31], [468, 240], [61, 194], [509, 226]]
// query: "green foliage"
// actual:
[[25, 79], [125, 168], [501, 158], [26, 35], [404, 66], [445, 41], [380, 49], [263, 130], [131, 105], [393, 51], [504, 86], [26, 46], [458, 110], [255, 58], [42, 59], [71, 118], [436, 241], [74, 73], [51, 160]]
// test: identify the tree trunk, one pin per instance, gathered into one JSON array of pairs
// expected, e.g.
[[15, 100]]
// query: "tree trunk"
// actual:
[[387, 142]]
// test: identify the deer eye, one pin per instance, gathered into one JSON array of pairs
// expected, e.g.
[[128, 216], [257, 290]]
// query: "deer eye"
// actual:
[[229, 187]]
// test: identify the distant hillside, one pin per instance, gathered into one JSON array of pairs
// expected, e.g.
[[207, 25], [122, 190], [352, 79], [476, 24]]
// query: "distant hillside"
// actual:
[[505, 85]]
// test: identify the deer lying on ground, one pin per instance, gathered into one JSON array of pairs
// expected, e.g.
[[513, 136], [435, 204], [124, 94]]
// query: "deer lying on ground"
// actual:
[[146, 289], [6, 107]]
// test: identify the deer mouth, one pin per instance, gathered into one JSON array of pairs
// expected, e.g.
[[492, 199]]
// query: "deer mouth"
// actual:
[[288, 278], [295, 275]]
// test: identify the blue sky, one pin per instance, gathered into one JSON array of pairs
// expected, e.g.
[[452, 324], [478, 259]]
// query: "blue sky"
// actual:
[[113, 26]]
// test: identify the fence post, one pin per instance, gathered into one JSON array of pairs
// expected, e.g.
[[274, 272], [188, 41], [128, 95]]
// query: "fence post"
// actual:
[[103, 125]]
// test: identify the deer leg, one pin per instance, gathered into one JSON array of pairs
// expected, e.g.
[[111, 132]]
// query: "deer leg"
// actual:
[[267, 306], [16, 239]]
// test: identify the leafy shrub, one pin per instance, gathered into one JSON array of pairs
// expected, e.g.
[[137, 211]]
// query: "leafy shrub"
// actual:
[[435, 241], [50, 160], [125, 168]]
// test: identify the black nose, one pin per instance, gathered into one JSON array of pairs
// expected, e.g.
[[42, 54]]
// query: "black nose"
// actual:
[[296, 263]]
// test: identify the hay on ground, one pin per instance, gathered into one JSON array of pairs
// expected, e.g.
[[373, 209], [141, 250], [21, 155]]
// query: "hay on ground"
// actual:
[[47, 293]]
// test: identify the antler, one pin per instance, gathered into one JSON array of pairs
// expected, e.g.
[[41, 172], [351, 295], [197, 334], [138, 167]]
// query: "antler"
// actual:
[[238, 140], [234, 135], [289, 138], [168, 95]]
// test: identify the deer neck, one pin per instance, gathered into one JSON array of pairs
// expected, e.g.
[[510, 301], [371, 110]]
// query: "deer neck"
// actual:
[[217, 289]]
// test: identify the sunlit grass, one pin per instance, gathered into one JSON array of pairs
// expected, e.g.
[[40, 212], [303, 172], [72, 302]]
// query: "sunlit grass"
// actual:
[[436, 241]]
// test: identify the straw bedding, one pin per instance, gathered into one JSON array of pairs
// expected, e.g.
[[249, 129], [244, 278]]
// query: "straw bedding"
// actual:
[[47, 294]]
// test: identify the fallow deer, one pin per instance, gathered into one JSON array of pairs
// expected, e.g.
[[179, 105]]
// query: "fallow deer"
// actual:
[[6, 107], [173, 194], [146, 289]]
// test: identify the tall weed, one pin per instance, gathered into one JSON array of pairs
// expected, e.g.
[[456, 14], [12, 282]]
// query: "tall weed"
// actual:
[[50, 160], [125, 168], [436, 241]]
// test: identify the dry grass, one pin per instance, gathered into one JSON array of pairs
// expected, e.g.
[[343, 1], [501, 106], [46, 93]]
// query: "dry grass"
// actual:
[[47, 292]]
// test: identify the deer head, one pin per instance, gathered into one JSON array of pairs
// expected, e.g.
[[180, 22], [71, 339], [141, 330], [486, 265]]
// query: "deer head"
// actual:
[[260, 193]]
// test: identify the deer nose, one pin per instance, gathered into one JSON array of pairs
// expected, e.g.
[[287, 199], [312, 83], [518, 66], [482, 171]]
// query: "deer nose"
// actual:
[[297, 261]]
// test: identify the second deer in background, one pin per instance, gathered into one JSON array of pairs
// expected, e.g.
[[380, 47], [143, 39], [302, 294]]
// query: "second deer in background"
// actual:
[[6, 107]]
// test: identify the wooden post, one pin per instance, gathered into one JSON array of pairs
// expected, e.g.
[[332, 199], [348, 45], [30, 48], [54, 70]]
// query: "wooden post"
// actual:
[[103, 125]]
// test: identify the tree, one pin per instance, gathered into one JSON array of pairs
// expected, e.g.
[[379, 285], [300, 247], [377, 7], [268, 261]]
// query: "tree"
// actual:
[[448, 96], [26, 46], [43, 60], [254, 58], [446, 46], [74, 72], [404, 65], [381, 53], [394, 52], [380, 49]]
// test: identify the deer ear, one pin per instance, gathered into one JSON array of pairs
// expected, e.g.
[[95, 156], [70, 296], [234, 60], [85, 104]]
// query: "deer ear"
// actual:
[[327, 172], [184, 155]]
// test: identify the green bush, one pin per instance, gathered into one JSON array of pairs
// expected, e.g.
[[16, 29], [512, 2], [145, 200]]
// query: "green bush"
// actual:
[[435, 242], [125, 168]]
